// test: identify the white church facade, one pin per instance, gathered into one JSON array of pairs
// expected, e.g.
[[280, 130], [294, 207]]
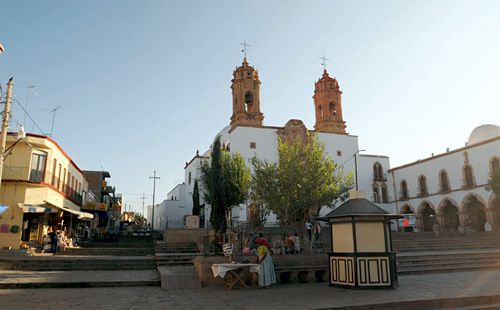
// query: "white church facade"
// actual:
[[247, 135]]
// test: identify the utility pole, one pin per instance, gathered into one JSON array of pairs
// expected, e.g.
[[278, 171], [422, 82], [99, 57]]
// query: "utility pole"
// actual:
[[154, 177], [143, 199], [5, 125]]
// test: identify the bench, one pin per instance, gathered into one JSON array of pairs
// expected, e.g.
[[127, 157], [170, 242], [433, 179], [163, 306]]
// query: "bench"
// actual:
[[303, 273]]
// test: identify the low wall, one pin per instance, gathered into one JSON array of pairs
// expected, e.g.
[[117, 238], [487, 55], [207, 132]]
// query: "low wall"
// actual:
[[282, 263], [183, 235]]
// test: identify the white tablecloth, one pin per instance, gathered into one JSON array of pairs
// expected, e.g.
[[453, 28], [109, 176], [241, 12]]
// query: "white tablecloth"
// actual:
[[220, 270]]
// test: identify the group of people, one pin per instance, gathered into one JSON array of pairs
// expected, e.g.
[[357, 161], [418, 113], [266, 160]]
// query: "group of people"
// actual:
[[56, 240]]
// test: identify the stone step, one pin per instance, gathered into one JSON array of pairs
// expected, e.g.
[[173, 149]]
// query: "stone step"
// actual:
[[78, 279], [84, 263]]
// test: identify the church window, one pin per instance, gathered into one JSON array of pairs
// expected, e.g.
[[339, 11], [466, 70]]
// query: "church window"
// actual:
[[189, 178], [378, 172], [339, 153], [468, 176], [333, 111], [385, 197], [249, 74], [376, 197], [253, 145], [248, 100], [495, 166], [422, 182], [445, 184], [404, 190]]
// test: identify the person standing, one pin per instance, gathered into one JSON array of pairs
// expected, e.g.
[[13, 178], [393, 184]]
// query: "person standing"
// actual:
[[309, 228], [53, 240], [267, 274], [317, 230]]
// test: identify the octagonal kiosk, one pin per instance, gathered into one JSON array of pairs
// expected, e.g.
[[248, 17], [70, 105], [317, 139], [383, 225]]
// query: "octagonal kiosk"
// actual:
[[362, 254]]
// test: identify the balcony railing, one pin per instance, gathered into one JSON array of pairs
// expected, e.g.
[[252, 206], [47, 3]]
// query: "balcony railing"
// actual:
[[13, 173]]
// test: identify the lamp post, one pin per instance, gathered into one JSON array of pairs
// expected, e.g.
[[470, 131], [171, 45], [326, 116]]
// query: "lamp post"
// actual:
[[154, 177], [356, 166]]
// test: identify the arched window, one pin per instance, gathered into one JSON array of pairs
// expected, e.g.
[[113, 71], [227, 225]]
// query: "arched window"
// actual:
[[494, 166], [376, 196], [404, 190], [248, 100], [443, 179], [378, 172], [422, 182], [333, 111], [468, 176], [385, 197], [189, 178]]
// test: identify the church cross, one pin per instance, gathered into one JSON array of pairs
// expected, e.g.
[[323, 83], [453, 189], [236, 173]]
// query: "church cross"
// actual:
[[323, 61], [245, 45]]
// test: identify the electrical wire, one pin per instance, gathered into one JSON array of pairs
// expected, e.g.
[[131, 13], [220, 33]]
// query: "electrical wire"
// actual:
[[26, 112]]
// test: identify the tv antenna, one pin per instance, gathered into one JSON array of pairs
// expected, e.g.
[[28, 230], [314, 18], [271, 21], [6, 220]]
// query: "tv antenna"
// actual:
[[31, 90], [53, 111]]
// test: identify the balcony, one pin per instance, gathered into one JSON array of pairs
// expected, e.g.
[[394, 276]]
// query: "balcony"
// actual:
[[14, 173], [380, 178], [25, 174]]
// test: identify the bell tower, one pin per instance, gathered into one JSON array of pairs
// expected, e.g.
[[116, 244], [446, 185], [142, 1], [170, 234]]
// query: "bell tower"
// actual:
[[245, 87], [328, 105]]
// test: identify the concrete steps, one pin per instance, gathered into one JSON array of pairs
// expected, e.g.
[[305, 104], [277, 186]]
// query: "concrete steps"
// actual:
[[78, 279], [181, 254], [115, 251], [69, 263], [405, 242]]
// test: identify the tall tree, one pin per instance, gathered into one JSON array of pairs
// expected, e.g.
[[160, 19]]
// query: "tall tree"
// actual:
[[494, 183], [303, 180], [196, 198], [225, 181]]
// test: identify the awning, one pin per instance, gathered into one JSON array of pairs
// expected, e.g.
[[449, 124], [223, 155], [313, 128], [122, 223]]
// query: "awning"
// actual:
[[81, 215], [40, 208]]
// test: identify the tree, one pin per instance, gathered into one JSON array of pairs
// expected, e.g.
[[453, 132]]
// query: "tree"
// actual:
[[225, 181], [302, 181], [196, 198], [494, 183]]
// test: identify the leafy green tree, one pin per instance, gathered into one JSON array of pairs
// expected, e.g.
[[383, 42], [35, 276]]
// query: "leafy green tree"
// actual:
[[303, 180], [494, 183], [225, 179], [196, 198]]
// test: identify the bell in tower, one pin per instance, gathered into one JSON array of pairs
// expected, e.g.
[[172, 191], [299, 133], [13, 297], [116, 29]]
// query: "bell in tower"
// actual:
[[246, 96], [328, 105]]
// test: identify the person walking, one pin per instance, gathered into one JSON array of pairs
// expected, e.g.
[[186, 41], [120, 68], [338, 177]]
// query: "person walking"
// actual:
[[267, 274]]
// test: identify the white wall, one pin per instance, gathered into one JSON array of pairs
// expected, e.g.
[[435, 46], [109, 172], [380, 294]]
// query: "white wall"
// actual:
[[453, 161]]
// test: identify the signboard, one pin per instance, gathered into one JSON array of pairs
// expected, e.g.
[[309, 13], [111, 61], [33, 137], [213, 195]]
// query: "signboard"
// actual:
[[227, 248], [192, 221]]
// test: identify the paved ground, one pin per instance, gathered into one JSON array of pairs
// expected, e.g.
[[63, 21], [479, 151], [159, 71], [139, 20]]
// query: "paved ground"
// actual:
[[291, 296]]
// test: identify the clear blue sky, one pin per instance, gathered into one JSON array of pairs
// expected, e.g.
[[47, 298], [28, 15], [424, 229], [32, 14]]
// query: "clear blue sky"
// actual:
[[143, 84]]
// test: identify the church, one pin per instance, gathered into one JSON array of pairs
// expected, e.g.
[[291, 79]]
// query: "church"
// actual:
[[450, 188]]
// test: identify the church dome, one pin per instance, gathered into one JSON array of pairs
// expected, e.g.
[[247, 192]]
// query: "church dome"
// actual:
[[484, 132]]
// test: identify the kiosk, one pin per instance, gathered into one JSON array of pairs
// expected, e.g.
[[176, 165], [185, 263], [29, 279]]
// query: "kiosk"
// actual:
[[362, 255]]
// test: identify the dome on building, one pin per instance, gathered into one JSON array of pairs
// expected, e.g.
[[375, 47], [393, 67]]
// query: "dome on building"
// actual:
[[484, 132]]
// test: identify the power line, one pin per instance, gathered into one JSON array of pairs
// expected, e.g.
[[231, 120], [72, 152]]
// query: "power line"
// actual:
[[36, 125]]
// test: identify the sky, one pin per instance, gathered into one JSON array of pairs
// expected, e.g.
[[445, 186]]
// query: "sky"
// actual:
[[141, 85]]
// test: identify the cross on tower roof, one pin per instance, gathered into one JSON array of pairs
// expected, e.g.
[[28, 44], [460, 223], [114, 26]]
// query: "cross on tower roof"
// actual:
[[245, 45], [323, 61]]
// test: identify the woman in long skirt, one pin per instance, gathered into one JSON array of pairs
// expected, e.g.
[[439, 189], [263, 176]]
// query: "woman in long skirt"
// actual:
[[267, 275]]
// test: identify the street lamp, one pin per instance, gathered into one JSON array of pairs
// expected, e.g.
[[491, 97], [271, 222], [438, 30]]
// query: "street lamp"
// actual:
[[356, 166]]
